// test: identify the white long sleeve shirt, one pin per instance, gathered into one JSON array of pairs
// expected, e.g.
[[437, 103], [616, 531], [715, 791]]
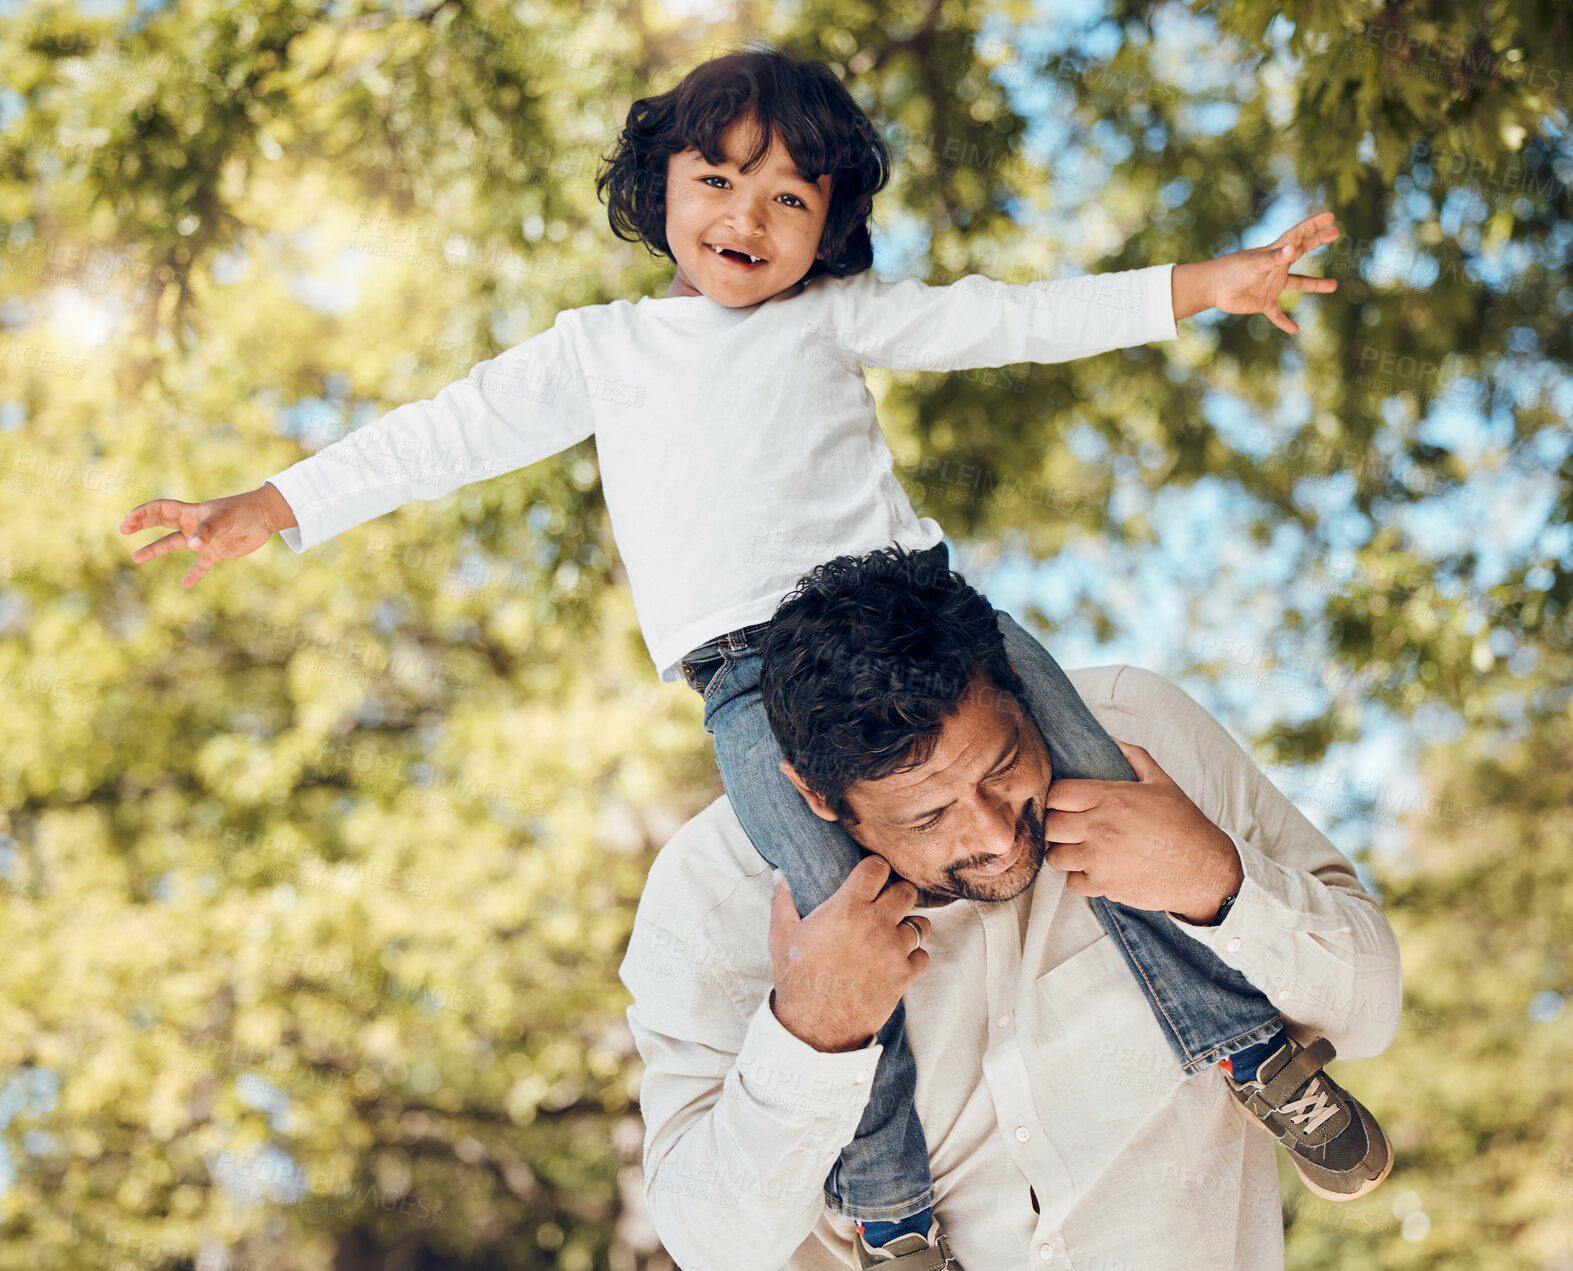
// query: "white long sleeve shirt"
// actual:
[[738, 448], [1061, 1132]]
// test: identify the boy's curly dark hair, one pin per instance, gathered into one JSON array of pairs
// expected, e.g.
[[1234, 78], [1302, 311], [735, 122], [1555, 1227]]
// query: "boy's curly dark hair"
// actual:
[[823, 129], [865, 660]]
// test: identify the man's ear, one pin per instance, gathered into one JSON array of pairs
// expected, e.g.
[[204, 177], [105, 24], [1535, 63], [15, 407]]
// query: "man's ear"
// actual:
[[821, 808]]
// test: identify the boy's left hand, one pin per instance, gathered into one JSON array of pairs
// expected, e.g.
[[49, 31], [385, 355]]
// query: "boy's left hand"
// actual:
[[1251, 281]]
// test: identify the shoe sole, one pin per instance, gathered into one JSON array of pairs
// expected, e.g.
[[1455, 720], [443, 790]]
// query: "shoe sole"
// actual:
[[1370, 1185]]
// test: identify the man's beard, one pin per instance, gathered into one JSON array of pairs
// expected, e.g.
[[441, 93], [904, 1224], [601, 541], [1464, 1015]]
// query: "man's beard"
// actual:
[[1015, 880]]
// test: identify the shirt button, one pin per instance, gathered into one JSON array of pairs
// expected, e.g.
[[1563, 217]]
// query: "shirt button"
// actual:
[[1022, 1135], [1003, 1020], [1234, 943], [1046, 1252]]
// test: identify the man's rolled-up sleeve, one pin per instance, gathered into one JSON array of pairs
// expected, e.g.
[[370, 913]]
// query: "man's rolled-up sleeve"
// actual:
[[743, 1120]]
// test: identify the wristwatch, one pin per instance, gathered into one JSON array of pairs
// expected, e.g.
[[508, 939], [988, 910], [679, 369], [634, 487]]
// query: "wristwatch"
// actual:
[[1223, 909]]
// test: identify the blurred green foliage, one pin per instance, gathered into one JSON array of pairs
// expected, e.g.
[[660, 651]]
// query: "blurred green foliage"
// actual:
[[316, 877]]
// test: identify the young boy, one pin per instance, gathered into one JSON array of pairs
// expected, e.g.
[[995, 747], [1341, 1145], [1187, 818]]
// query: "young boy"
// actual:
[[741, 448]]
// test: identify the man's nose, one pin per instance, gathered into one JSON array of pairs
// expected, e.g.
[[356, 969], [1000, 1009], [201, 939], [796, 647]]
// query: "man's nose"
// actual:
[[994, 828]]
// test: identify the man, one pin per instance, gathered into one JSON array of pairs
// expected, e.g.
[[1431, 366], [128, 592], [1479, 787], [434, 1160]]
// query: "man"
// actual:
[[1061, 1130]]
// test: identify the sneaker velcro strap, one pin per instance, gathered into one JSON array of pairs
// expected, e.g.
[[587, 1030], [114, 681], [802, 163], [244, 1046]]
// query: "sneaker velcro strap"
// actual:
[[1297, 1072], [1258, 1105], [932, 1258]]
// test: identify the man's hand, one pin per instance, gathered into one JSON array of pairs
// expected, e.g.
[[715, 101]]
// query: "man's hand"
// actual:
[[840, 972], [1142, 843], [1251, 281], [220, 529]]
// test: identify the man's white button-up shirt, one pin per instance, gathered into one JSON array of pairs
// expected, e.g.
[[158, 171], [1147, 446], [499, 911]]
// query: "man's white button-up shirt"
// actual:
[[1061, 1131]]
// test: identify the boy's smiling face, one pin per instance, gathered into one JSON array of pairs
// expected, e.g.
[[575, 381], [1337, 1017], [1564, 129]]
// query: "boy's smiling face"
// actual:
[[770, 213]]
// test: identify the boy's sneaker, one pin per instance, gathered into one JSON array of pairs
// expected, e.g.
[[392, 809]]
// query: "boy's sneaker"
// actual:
[[910, 1252], [1335, 1143]]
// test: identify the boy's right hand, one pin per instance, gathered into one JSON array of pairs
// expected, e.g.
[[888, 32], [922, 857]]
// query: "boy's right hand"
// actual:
[[840, 971], [220, 529]]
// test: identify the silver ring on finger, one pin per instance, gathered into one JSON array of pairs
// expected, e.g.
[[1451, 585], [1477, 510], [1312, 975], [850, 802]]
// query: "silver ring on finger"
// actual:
[[909, 922]]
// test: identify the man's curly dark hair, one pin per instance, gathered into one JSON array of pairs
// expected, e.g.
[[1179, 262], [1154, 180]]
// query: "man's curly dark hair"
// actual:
[[823, 129], [865, 660]]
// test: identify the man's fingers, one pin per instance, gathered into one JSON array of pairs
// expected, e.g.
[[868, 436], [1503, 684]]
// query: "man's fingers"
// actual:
[[1081, 885], [1073, 794], [1304, 282], [159, 547], [1067, 856], [867, 878], [905, 928], [783, 909], [1142, 764], [897, 896], [1065, 827]]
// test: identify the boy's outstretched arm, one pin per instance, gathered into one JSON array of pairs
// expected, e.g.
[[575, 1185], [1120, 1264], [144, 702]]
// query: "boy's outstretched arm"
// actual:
[[977, 321], [528, 402], [1251, 281]]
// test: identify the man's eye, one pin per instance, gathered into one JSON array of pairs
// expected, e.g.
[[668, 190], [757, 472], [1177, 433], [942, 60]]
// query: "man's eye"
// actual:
[[1005, 771]]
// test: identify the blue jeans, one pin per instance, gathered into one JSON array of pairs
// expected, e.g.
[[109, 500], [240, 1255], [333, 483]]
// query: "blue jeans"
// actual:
[[1207, 1010]]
